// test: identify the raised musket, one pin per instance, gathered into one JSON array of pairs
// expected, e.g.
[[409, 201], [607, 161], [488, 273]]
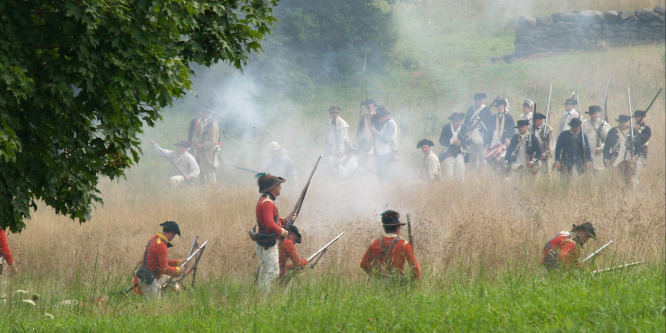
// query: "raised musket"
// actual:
[[320, 251], [409, 231], [479, 121], [299, 202], [631, 122], [550, 94], [601, 140], [194, 246], [654, 99], [597, 251], [618, 267]]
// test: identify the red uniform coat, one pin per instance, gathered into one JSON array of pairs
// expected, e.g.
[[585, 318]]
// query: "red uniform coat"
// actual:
[[4, 249], [267, 215], [400, 252], [288, 251], [156, 259], [568, 251]]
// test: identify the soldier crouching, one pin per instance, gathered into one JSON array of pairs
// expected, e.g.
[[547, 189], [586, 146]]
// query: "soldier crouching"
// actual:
[[386, 256]]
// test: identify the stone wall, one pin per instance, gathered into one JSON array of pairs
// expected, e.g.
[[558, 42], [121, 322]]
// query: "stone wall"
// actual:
[[588, 30]]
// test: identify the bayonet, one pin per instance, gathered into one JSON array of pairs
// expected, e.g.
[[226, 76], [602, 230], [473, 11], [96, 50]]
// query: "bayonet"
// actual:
[[654, 99], [550, 94], [618, 267], [631, 123], [597, 251]]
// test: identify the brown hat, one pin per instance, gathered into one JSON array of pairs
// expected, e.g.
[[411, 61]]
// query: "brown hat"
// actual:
[[267, 182]]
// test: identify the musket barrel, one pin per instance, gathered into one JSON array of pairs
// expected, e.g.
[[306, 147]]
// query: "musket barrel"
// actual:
[[324, 247], [597, 251], [618, 267]]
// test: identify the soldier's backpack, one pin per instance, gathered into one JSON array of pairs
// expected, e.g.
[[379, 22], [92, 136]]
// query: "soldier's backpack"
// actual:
[[143, 273]]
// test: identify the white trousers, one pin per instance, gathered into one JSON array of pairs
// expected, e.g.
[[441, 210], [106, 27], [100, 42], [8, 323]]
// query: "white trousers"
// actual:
[[476, 159], [454, 167], [153, 290], [269, 266], [176, 180], [640, 164]]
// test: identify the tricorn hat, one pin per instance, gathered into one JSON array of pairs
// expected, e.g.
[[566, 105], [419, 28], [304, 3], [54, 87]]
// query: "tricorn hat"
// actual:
[[181, 143], [522, 122], [267, 182], [575, 122], [587, 227], [425, 142], [391, 217], [457, 116], [368, 102], [623, 118], [571, 101], [502, 101], [639, 113], [594, 109], [479, 96], [381, 111], [539, 116], [293, 230], [334, 108], [528, 103], [171, 226]]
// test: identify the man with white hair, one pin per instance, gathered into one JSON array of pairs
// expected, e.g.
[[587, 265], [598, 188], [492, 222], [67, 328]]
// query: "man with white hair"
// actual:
[[501, 127], [528, 112], [185, 167], [570, 106], [596, 130], [280, 164]]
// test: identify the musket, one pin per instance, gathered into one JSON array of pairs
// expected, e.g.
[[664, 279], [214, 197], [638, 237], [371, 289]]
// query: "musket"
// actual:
[[194, 245], [196, 265], [550, 94], [246, 170], [631, 123], [476, 124], [580, 111], [597, 251], [190, 257], [600, 140], [534, 101], [654, 99], [299, 202], [618, 267], [409, 231], [324, 247]]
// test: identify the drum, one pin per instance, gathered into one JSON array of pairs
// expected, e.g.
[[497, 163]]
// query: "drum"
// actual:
[[495, 155]]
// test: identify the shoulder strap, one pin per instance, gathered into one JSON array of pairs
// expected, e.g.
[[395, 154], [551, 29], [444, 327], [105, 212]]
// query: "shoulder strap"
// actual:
[[145, 253], [386, 250]]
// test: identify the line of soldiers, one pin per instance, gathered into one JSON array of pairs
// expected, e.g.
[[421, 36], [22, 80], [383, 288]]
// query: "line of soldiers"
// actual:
[[530, 145]]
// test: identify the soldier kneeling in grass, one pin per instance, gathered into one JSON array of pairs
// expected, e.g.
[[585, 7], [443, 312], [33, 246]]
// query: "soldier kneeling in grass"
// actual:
[[386, 255], [155, 268], [288, 252], [564, 250]]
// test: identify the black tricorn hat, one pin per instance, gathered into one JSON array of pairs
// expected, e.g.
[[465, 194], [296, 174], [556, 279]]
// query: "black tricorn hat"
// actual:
[[594, 109], [587, 227], [639, 113], [368, 102], [425, 142], [521, 123], [171, 226], [539, 116], [181, 143], [334, 108], [293, 230], [267, 182], [623, 118], [381, 111], [501, 101], [575, 122], [457, 116], [571, 101], [479, 96], [391, 217]]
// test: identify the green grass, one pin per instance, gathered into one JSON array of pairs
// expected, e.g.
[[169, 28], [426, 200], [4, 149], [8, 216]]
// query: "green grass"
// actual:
[[629, 300]]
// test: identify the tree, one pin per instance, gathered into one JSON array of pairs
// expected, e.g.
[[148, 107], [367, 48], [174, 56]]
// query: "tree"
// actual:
[[79, 79]]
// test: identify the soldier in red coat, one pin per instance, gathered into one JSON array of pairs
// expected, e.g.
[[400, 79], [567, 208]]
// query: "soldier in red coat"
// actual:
[[288, 251], [5, 253], [564, 250], [386, 256], [270, 229], [156, 262]]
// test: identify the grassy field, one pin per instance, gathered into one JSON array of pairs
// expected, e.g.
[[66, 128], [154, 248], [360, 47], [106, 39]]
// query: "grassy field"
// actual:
[[478, 244]]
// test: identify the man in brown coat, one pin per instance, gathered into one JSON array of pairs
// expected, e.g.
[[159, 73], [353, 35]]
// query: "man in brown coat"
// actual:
[[206, 145]]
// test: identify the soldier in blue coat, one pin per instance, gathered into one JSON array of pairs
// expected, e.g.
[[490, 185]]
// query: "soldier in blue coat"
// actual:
[[572, 148], [524, 150]]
